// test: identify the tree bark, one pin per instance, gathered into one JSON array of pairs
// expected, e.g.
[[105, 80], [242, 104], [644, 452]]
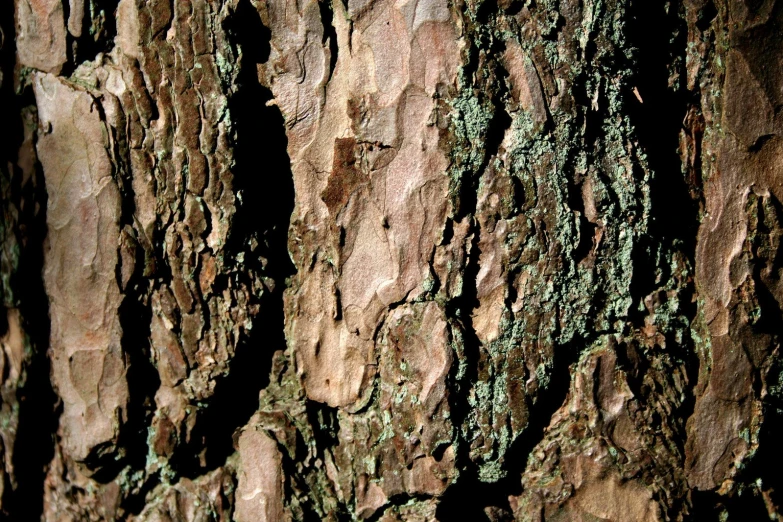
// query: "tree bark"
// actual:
[[288, 260]]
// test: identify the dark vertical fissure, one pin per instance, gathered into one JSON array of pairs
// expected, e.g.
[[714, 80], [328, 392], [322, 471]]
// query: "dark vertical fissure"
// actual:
[[98, 29], [459, 502], [37, 402], [658, 114], [330, 34], [264, 184]]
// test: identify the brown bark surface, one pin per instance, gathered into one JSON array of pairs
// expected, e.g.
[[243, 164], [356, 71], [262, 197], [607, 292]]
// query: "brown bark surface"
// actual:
[[391, 260]]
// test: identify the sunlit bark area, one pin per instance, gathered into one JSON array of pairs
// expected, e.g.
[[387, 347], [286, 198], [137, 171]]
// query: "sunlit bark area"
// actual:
[[391, 260]]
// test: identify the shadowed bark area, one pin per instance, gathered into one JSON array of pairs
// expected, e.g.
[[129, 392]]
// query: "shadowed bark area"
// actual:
[[278, 260]]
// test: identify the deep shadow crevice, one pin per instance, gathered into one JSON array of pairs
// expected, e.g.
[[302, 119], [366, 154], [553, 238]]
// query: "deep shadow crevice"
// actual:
[[37, 402], [264, 183]]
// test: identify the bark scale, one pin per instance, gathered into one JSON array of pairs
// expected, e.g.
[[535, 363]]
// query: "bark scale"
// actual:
[[413, 260]]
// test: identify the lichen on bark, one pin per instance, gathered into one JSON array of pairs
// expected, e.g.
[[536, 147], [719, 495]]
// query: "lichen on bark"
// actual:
[[390, 260]]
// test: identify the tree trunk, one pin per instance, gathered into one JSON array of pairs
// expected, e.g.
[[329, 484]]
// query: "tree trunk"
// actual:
[[283, 260]]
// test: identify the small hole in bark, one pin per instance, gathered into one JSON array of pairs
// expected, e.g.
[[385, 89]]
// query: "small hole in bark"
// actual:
[[760, 142]]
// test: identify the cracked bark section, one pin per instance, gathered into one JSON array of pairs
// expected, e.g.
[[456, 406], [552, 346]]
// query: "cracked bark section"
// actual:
[[370, 207], [155, 268], [390, 260], [737, 259], [83, 217]]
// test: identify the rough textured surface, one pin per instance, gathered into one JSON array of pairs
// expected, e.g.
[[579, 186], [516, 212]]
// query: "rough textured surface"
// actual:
[[260, 485], [369, 176], [83, 216], [738, 277], [384, 260], [41, 36]]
